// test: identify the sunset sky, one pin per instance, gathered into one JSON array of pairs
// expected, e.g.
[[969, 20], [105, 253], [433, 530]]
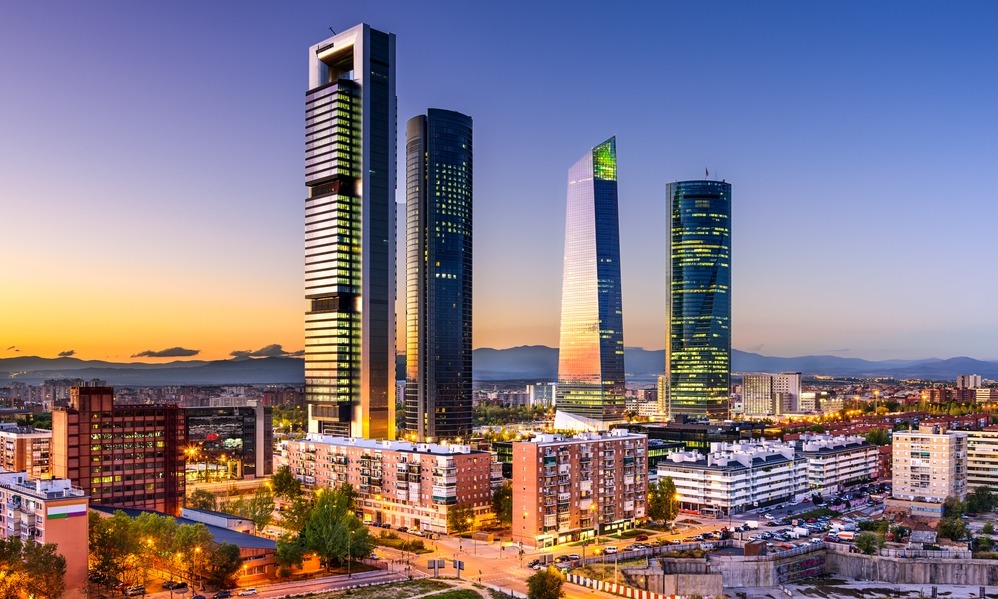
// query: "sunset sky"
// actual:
[[151, 165]]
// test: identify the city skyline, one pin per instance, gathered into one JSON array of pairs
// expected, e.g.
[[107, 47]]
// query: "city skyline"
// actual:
[[843, 126]]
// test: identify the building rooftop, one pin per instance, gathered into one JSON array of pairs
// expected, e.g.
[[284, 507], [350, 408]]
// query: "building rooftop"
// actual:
[[52, 488], [225, 515], [220, 535], [617, 433], [383, 445]]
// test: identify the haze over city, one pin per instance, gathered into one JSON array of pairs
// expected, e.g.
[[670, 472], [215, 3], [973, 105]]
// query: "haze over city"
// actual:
[[151, 169]]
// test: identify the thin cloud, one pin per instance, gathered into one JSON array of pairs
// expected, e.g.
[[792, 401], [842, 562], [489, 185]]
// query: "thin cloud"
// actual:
[[755, 348], [67, 353], [11, 347], [840, 350], [173, 352], [273, 350]]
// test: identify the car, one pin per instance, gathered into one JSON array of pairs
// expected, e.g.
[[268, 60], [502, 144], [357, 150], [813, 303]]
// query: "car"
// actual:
[[560, 558], [537, 566], [805, 500], [247, 592], [610, 549], [136, 590], [374, 556], [223, 594], [533, 563], [767, 516], [573, 556], [631, 548], [198, 596], [403, 529], [641, 538], [169, 584]]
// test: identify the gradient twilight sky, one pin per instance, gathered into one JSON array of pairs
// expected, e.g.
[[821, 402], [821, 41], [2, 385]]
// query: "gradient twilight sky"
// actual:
[[151, 164]]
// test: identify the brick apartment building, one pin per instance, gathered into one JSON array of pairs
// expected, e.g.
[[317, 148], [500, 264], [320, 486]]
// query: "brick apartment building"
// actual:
[[571, 488], [121, 455], [397, 482]]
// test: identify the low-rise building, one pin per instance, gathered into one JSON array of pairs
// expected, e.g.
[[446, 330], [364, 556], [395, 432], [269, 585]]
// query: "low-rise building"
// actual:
[[47, 511], [573, 488], [834, 462], [397, 482], [735, 477]]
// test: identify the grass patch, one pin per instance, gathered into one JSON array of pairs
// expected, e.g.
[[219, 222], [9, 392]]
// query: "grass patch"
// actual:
[[628, 534], [392, 540], [396, 590], [817, 513]]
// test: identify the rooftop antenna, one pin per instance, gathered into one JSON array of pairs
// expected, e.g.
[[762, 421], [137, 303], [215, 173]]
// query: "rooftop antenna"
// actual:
[[706, 174], [331, 29]]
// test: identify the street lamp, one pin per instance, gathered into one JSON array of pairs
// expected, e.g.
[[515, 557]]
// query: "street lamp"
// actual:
[[474, 545], [349, 538]]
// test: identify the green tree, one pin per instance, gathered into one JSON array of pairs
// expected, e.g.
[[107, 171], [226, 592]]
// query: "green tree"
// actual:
[[222, 565], [44, 570], [201, 499], [333, 531], [460, 518], [285, 484], [988, 528], [502, 503], [953, 508], [663, 501], [869, 542], [878, 436], [290, 554], [294, 517], [260, 508], [952, 528], [12, 575], [194, 542], [545, 584], [982, 499]]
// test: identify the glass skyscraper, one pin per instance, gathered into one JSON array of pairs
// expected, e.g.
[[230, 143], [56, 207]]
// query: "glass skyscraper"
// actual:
[[698, 343], [591, 348], [438, 276], [350, 235]]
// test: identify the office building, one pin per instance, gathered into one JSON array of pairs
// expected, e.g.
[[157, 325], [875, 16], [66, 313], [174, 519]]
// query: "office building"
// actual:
[[47, 511], [982, 459], [699, 436], [591, 346], [26, 449], [542, 394], [969, 381], [121, 455], [573, 488], [770, 394], [350, 212], [397, 482], [225, 443], [438, 276], [837, 462], [735, 477], [698, 276], [929, 465]]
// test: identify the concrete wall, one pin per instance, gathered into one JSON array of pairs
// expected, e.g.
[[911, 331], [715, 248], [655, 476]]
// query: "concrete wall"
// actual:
[[914, 571]]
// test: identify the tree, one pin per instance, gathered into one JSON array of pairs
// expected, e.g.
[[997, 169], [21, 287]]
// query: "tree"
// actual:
[[44, 570], [201, 499], [545, 584], [11, 568], [223, 564], [953, 507], [502, 503], [869, 542], [982, 499], [460, 518], [878, 436], [260, 508], [952, 528], [290, 554], [333, 531], [284, 483], [296, 515], [988, 528], [663, 501]]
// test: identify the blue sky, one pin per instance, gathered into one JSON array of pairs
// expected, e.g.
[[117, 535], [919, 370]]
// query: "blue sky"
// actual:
[[151, 171]]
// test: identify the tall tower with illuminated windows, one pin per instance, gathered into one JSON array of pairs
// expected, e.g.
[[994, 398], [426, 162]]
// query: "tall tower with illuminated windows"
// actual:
[[350, 119], [438, 199], [698, 274], [591, 348]]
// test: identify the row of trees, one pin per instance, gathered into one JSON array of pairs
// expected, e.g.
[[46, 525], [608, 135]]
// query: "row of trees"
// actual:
[[124, 549], [663, 500], [259, 507], [31, 569]]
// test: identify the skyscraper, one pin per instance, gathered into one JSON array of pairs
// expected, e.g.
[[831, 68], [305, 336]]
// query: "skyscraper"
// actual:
[[350, 234], [591, 348], [438, 275], [698, 271]]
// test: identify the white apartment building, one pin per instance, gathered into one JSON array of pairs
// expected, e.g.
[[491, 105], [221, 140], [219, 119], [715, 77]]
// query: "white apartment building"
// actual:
[[929, 465], [969, 381], [834, 462], [770, 394], [982, 459], [735, 477]]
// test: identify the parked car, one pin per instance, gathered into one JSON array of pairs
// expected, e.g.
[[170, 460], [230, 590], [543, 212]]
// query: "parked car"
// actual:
[[573, 556], [610, 549], [403, 529], [198, 596], [533, 562], [169, 584], [247, 592], [136, 590], [641, 538], [560, 558], [223, 594]]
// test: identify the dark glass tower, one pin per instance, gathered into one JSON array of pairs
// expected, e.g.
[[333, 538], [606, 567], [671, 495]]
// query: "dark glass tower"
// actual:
[[591, 348], [698, 344], [438, 275], [350, 235]]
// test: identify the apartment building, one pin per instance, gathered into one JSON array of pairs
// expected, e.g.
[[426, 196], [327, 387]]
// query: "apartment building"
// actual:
[[397, 482], [837, 462], [982, 459], [735, 477], [929, 465], [47, 511], [26, 449], [571, 488], [121, 455]]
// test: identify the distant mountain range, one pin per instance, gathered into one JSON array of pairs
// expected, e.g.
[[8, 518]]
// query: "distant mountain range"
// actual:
[[529, 362]]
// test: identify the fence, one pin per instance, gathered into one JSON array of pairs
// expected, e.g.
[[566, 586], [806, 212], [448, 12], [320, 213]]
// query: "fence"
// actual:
[[621, 590]]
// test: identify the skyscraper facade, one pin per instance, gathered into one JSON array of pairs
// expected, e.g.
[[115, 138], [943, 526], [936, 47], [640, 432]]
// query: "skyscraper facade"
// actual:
[[438, 276], [591, 347], [350, 113], [698, 343]]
